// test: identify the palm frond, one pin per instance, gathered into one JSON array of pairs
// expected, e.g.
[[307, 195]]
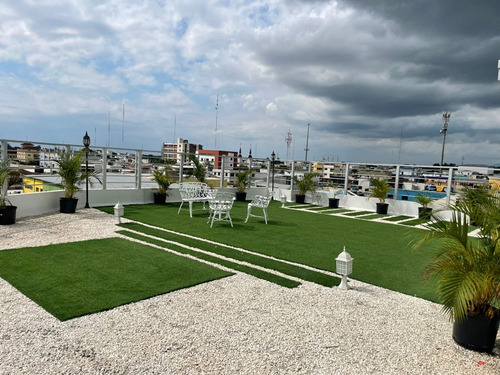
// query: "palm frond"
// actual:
[[467, 269]]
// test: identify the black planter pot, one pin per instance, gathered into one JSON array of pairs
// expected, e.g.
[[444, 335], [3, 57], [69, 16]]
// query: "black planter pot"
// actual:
[[160, 198], [333, 202], [67, 205], [382, 208], [241, 197], [476, 332], [300, 198], [8, 215], [424, 213]]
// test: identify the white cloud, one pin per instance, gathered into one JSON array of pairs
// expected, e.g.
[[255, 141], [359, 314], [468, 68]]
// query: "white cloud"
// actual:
[[357, 76]]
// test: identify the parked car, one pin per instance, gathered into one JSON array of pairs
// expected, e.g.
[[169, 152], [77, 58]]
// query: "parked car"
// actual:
[[431, 187]]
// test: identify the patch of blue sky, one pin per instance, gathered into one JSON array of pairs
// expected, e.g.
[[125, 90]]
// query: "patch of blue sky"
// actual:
[[181, 27], [163, 79], [103, 64], [19, 70], [263, 16]]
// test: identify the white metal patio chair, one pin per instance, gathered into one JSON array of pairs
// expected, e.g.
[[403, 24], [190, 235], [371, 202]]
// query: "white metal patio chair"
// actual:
[[220, 208], [259, 201]]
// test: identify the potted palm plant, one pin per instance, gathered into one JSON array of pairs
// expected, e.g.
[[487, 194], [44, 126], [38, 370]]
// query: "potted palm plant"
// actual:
[[72, 175], [305, 184], [425, 211], [242, 183], [8, 177], [334, 201], [468, 269], [380, 190], [163, 180]]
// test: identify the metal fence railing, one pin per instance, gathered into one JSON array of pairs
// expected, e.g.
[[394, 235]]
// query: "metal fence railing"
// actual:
[[132, 168]]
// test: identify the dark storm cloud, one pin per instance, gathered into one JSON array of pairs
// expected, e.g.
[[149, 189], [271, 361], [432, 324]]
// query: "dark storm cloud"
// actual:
[[390, 60], [454, 18], [467, 31]]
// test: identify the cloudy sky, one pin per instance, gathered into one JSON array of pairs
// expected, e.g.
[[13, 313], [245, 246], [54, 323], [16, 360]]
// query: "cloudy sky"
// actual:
[[372, 78]]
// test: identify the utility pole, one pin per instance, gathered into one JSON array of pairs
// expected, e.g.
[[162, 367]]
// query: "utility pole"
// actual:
[[288, 140], [307, 142], [446, 118]]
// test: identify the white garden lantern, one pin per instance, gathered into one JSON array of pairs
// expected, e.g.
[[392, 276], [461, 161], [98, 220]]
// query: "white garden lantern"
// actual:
[[344, 267], [283, 200], [119, 210]]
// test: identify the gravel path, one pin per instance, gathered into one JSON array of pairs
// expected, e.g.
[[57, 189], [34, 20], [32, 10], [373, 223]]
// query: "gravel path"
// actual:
[[236, 325]]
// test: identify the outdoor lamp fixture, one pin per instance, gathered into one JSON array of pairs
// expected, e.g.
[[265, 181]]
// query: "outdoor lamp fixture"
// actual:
[[283, 200], [446, 118], [86, 143], [273, 156], [344, 267], [119, 210]]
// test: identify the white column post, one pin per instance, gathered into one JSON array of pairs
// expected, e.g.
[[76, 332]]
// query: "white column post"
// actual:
[[181, 168], [448, 188], [346, 179], [222, 166], [396, 183], [104, 167]]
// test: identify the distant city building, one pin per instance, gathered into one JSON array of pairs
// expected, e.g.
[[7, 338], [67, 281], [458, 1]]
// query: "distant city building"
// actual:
[[173, 150], [48, 158], [214, 159], [330, 171], [28, 153]]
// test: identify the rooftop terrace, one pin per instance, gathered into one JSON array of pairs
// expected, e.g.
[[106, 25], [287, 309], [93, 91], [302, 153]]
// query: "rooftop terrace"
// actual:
[[236, 324]]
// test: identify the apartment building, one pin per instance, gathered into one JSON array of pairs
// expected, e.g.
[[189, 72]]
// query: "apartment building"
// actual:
[[215, 157], [173, 150], [28, 153], [329, 170]]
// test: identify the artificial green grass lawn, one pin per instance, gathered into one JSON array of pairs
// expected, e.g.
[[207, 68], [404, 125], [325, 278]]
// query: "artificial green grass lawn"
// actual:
[[74, 279], [398, 218], [358, 213], [381, 252], [372, 217], [228, 252], [415, 222], [320, 208], [264, 275]]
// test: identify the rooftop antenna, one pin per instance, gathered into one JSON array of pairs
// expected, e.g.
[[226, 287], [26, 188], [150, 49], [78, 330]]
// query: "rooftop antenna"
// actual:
[[400, 143], [216, 119], [288, 140], [123, 122], [307, 142], [109, 125], [175, 126]]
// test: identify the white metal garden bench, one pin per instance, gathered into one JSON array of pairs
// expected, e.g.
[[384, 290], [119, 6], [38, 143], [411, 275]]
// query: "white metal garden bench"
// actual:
[[194, 192], [220, 206], [259, 201]]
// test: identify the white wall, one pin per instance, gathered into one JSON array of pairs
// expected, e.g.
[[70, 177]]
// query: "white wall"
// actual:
[[35, 204]]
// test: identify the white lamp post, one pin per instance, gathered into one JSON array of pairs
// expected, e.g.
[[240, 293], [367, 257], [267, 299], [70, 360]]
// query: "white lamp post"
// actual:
[[344, 267], [86, 143], [119, 210]]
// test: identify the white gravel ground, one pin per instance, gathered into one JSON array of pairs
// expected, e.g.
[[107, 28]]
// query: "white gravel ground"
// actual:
[[236, 325]]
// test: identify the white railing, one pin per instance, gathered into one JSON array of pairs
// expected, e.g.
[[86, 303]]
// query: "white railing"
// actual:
[[275, 178]]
